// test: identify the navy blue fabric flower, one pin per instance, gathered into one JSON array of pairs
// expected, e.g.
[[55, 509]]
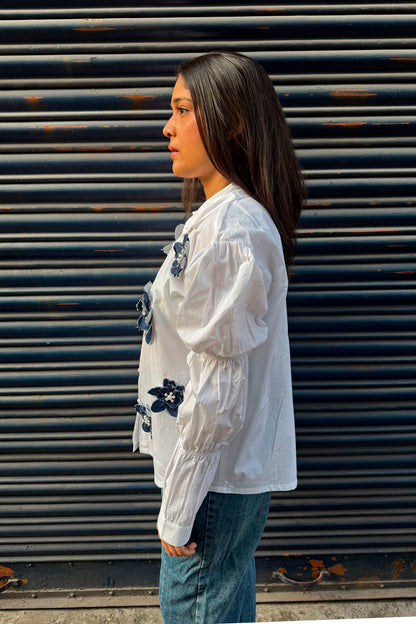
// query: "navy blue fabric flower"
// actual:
[[144, 306], [181, 256], [146, 418], [178, 233], [169, 397]]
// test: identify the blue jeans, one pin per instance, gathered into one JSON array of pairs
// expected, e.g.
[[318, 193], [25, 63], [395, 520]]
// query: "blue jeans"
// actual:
[[218, 583]]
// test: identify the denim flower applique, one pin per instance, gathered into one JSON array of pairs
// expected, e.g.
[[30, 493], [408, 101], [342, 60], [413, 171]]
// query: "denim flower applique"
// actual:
[[169, 397], [178, 231], [181, 256], [146, 418], [144, 306], [181, 250]]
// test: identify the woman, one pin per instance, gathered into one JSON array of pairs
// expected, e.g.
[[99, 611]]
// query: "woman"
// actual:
[[215, 399]]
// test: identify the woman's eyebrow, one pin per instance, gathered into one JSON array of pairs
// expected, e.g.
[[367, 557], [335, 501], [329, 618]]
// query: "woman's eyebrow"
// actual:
[[178, 99]]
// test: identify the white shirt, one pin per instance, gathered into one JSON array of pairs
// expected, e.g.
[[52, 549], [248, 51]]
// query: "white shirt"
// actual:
[[215, 358]]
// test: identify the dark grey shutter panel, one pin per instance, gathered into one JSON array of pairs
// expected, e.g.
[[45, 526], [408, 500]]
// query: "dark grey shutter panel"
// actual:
[[87, 201]]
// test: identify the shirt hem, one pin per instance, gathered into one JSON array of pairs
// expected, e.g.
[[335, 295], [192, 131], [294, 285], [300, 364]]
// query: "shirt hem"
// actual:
[[259, 489], [142, 449]]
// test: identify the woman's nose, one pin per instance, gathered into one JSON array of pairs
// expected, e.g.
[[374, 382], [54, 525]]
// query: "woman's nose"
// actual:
[[168, 130]]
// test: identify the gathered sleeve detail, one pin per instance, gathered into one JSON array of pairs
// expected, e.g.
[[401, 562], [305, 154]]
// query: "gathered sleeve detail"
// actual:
[[225, 301], [220, 321]]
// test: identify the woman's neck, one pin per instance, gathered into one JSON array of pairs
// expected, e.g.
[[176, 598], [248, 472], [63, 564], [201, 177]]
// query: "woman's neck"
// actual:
[[216, 182]]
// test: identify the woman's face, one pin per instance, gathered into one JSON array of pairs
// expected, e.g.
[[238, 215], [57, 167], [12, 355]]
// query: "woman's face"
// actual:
[[190, 159]]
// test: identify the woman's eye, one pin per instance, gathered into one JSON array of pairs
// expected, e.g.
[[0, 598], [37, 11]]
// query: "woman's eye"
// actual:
[[182, 110]]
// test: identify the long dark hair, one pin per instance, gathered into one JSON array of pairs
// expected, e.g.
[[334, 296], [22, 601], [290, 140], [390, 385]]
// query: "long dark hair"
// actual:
[[246, 136]]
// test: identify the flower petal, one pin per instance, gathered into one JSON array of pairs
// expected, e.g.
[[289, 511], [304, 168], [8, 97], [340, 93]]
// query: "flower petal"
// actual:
[[158, 406], [155, 391], [179, 230], [148, 336], [173, 411]]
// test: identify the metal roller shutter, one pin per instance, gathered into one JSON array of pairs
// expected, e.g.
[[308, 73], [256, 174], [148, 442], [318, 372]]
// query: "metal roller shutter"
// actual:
[[87, 201]]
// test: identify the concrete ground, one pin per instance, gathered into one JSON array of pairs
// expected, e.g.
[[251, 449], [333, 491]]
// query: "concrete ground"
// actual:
[[265, 613]]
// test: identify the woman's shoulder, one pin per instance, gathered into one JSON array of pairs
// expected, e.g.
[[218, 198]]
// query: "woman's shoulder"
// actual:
[[235, 217], [242, 216]]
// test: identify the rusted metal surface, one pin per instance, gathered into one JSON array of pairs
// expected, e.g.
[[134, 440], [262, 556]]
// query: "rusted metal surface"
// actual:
[[302, 585], [8, 579], [232, 27], [51, 8], [133, 582], [87, 201], [144, 67]]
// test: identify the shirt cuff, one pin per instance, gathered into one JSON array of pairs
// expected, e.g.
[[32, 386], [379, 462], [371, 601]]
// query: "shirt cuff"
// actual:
[[173, 534]]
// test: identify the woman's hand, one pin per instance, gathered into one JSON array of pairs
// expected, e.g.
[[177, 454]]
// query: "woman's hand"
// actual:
[[178, 551]]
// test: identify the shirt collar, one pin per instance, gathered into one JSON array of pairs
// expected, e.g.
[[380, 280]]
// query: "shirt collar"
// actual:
[[209, 206]]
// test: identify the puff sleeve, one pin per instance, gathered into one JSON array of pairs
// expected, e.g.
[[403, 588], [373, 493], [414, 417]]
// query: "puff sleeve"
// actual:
[[220, 320]]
